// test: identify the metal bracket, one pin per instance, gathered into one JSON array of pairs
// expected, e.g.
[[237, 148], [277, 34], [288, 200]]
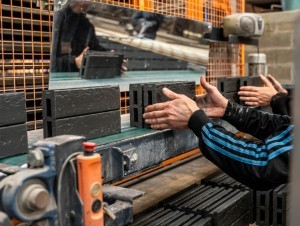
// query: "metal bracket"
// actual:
[[216, 35]]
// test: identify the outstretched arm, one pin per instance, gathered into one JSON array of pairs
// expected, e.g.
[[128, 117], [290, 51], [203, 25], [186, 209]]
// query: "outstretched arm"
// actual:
[[259, 165], [245, 119]]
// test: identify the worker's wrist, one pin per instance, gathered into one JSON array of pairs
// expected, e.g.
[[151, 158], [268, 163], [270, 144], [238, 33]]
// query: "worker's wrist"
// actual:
[[228, 110], [197, 120]]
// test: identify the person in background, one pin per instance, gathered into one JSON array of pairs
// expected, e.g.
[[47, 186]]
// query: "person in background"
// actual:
[[76, 35], [272, 93], [261, 165], [146, 24]]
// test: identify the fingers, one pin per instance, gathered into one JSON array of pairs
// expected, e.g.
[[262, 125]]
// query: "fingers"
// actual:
[[249, 88], [156, 107], [170, 94], [208, 87], [247, 93], [154, 114], [265, 80], [249, 99], [252, 103], [160, 126]]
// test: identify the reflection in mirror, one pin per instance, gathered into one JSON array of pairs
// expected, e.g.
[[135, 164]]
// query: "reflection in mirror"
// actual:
[[142, 46]]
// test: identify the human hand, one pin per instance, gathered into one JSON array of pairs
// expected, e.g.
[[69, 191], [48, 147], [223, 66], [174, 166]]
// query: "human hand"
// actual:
[[78, 59], [212, 102], [173, 114], [258, 96], [276, 84]]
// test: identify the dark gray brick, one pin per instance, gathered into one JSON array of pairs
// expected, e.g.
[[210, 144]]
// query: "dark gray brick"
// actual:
[[280, 205], [136, 116], [264, 207], [136, 95], [91, 126], [153, 91], [232, 97], [228, 84], [80, 101], [13, 140], [12, 109]]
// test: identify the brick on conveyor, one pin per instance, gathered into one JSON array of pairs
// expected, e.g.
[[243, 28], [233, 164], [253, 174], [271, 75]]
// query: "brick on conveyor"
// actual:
[[246, 81], [264, 207], [62, 103], [13, 140], [280, 205], [136, 117], [12, 109], [153, 91], [251, 81], [136, 95], [232, 97], [228, 84], [91, 125]]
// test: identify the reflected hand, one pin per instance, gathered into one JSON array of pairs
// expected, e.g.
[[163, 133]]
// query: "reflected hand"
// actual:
[[276, 84], [258, 96], [173, 114], [212, 102], [78, 59]]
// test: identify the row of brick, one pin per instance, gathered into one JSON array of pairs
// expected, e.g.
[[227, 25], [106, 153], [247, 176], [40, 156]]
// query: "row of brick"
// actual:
[[265, 207], [13, 129], [201, 205], [229, 86], [91, 112]]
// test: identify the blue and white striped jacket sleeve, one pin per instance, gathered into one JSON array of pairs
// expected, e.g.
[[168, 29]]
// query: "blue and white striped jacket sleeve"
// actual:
[[258, 164]]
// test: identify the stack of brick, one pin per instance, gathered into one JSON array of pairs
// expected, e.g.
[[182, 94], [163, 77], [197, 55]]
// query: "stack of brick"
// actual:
[[229, 86], [143, 94], [220, 179], [265, 207], [200, 205], [13, 129], [91, 112], [98, 65]]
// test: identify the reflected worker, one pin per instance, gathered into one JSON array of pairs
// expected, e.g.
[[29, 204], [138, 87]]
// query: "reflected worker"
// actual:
[[75, 36]]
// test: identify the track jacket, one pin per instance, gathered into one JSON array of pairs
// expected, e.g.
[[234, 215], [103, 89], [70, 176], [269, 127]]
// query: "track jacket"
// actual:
[[262, 164]]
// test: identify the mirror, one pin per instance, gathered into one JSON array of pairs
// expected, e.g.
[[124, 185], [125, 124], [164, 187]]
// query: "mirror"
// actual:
[[153, 47]]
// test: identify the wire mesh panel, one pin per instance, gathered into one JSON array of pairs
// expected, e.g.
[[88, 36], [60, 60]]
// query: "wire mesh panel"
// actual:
[[25, 52]]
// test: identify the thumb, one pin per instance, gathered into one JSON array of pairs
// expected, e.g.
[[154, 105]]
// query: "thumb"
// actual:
[[170, 94], [208, 87], [265, 80]]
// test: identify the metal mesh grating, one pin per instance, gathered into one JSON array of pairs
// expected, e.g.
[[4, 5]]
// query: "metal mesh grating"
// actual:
[[25, 52]]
